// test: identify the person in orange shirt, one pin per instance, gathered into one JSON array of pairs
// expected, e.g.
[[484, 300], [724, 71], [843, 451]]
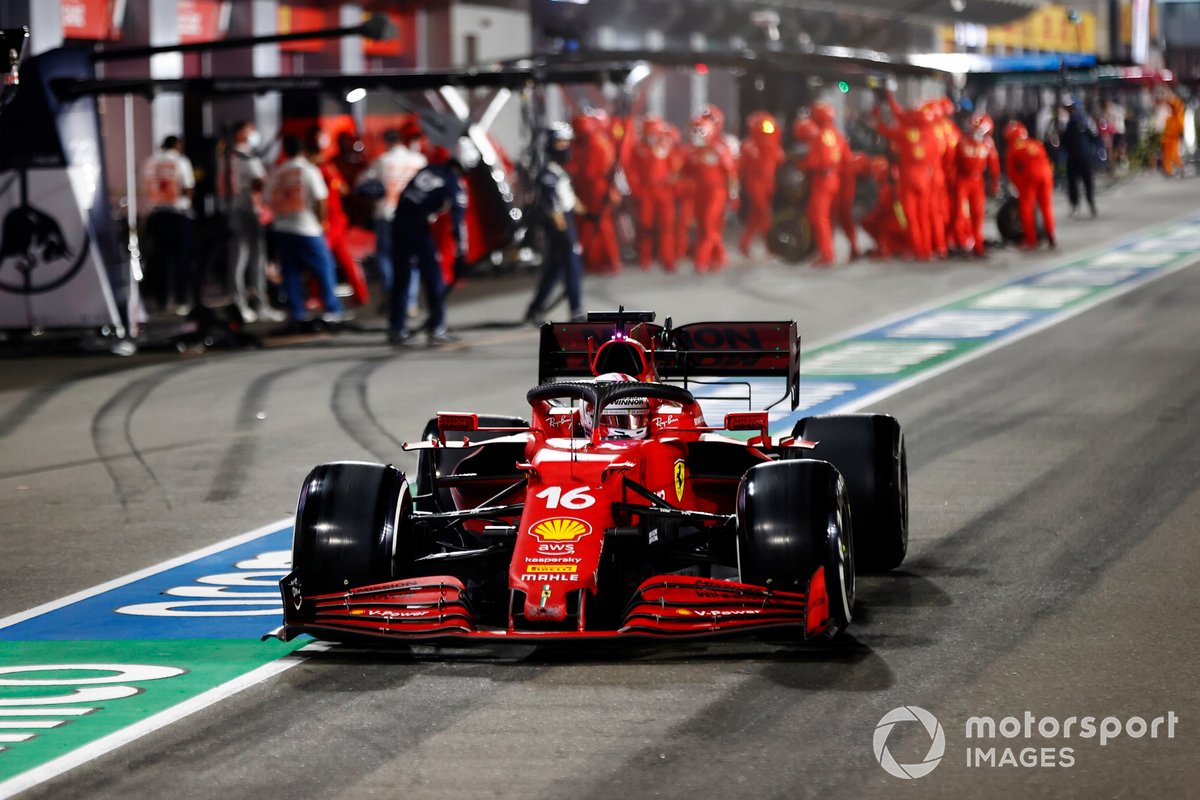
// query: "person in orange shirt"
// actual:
[[1029, 170], [1172, 133], [974, 155], [760, 156]]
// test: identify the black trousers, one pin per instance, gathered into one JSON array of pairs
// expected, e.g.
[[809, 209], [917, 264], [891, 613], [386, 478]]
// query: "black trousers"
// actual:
[[1080, 169], [170, 273]]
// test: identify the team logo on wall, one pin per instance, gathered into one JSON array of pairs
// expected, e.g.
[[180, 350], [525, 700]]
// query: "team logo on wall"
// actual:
[[36, 254]]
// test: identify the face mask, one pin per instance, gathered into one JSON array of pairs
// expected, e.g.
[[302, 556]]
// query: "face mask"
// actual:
[[254, 139]]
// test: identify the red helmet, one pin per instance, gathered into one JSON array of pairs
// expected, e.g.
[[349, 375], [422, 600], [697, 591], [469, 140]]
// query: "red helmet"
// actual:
[[762, 125], [626, 418], [823, 114], [805, 130], [704, 131], [1015, 130], [932, 110], [710, 112], [982, 125]]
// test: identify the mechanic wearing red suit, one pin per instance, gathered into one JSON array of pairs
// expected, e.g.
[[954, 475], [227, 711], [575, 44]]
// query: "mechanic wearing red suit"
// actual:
[[821, 161], [1028, 168], [952, 136], [939, 194], [759, 159], [851, 165], [886, 222], [910, 140], [652, 171], [711, 166], [593, 157], [973, 156]]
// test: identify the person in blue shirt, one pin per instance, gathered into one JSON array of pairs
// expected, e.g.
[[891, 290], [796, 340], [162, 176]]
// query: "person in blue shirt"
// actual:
[[556, 217], [435, 190]]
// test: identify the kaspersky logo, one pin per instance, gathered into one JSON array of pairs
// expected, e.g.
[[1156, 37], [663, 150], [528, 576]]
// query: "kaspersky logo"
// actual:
[[937, 742], [560, 529]]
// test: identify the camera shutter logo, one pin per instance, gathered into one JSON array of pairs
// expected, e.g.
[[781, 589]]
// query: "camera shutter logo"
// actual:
[[937, 746]]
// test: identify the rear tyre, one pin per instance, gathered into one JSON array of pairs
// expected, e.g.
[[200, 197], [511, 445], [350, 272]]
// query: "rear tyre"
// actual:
[[353, 527], [793, 517], [868, 450]]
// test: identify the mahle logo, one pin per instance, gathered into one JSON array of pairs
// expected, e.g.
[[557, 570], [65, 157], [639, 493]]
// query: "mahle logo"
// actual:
[[937, 745]]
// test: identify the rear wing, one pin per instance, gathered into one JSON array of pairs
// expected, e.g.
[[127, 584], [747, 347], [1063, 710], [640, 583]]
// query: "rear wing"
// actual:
[[692, 352]]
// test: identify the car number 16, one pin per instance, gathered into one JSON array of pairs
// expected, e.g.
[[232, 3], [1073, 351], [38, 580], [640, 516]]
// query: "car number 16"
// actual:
[[575, 499]]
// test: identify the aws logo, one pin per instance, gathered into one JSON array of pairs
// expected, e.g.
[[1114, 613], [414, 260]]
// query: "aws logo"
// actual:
[[560, 529]]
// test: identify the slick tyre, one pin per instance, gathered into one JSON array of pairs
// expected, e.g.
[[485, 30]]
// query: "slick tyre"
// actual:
[[793, 517], [353, 527], [790, 237], [868, 450]]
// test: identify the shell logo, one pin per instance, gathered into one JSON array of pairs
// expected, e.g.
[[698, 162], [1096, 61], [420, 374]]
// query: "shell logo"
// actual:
[[561, 529]]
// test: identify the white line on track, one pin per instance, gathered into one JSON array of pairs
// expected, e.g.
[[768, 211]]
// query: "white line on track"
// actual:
[[102, 746], [195, 555], [1005, 340]]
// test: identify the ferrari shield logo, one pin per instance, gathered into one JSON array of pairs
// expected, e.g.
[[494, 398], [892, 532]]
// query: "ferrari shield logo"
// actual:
[[680, 480], [561, 529]]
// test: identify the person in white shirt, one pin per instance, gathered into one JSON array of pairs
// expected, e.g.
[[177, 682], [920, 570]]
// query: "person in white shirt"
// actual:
[[296, 194], [389, 175], [168, 180]]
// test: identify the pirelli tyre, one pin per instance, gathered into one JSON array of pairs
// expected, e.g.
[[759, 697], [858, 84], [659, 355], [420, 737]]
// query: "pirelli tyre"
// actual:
[[790, 237], [353, 527], [1008, 221], [868, 450], [793, 517]]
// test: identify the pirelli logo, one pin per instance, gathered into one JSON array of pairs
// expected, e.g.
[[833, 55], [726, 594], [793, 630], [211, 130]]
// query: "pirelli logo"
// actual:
[[544, 569]]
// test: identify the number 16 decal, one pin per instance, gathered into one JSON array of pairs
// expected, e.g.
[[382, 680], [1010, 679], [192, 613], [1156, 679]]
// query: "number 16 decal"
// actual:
[[575, 499]]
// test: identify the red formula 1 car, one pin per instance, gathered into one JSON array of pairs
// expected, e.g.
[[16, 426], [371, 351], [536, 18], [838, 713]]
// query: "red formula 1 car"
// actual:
[[617, 511]]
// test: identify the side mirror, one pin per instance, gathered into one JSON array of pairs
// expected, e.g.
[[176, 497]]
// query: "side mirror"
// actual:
[[456, 422], [746, 421]]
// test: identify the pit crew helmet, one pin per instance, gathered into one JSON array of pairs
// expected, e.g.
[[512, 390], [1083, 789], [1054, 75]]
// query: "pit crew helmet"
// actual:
[[626, 418]]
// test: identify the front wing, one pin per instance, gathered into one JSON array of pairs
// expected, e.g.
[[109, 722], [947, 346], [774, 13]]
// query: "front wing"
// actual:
[[663, 607]]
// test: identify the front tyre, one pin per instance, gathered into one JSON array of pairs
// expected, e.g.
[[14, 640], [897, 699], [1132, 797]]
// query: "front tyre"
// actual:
[[353, 527], [793, 518]]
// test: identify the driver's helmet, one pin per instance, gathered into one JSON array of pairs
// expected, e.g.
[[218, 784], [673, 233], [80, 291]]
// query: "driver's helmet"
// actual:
[[626, 418]]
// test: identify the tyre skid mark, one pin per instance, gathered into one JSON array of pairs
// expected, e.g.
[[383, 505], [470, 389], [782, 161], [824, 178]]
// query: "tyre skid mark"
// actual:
[[112, 437]]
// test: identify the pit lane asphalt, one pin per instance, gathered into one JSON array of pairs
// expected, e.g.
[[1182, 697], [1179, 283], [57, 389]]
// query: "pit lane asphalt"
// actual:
[[1054, 497]]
